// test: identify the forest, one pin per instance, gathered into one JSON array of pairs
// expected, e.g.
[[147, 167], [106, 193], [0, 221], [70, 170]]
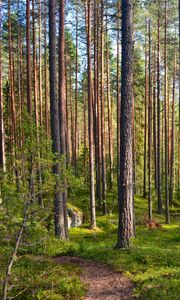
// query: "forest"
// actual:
[[90, 149]]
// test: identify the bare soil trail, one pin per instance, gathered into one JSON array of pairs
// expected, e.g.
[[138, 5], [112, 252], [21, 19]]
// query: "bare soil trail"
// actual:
[[103, 283]]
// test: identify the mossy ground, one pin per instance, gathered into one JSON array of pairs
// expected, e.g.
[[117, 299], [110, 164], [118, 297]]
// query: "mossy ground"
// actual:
[[153, 262], [35, 277]]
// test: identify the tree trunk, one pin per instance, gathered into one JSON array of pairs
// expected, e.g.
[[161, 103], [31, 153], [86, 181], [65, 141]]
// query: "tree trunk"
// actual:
[[154, 121], [76, 93], [110, 133], [55, 131], [46, 75], [2, 136], [145, 108], [103, 154], [40, 65], [179, 109], [62, 105], [166, 118], [96, 106], [35, 68], [171, 184], [28, 45], [125, 197], [158, 123], [118, 96], [149, 131], [90, 119]]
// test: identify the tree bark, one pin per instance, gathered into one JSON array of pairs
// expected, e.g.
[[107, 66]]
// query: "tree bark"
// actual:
[[179, 108], [103, 154], [76, 93], [110, 133], [171, 184], [90, 119], [155, 120], [28, 46], [166, 118], [158, 123], [2, 135], [150, 131], [145, 113], [46, 75], [118, 95], [125, 196], [62, 106], [55, 131]]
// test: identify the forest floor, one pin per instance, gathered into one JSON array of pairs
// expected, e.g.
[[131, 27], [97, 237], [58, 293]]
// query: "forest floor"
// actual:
[[149, 270], [102, 281]]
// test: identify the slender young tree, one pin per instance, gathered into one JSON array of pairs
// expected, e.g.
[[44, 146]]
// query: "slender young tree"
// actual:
[[171, 183], [154, 119], [40, 63], [76, 93], [179, 107], [103, 156], [145, 113], [35, 87], [158, 122], [125, 197], [150, 131], [109, 104], [46, 75], [2, 135], [90, 118], [28, 60], [96, 106], [118, 96], [166, 117], [11, 80]]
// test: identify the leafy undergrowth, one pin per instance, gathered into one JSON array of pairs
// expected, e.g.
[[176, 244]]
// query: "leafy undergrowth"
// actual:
[[153, 262]]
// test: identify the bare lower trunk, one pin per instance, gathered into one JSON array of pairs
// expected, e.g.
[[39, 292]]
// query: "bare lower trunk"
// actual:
[[2, 136], [150, 132], [55, 131], [90, 119], [125, 197]]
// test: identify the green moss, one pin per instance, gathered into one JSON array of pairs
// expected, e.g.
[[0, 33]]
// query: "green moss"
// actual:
[[152, 263], [36, 277], [76, 209]]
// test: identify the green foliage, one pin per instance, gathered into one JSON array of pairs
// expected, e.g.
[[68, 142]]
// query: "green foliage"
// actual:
[[152, 263], [42, 278]]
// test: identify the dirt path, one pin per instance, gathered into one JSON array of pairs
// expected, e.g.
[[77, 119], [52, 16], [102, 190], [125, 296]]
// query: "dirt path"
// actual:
[[103, 283]]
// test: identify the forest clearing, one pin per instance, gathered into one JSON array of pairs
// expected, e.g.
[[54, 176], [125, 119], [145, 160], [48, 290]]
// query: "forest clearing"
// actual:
[[90, 149]]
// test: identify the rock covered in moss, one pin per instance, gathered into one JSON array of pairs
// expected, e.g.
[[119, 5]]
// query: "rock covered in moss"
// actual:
[[75, 216]]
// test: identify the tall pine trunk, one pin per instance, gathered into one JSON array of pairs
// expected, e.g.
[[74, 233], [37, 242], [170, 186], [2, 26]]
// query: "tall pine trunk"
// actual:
[[90, 119], [55, 131], [28, 60], [62, 106], [171, 184], [103, 154], [145, 108], [158, 123], [150, 131], [2, 136], [166, 118], [126, 194]]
